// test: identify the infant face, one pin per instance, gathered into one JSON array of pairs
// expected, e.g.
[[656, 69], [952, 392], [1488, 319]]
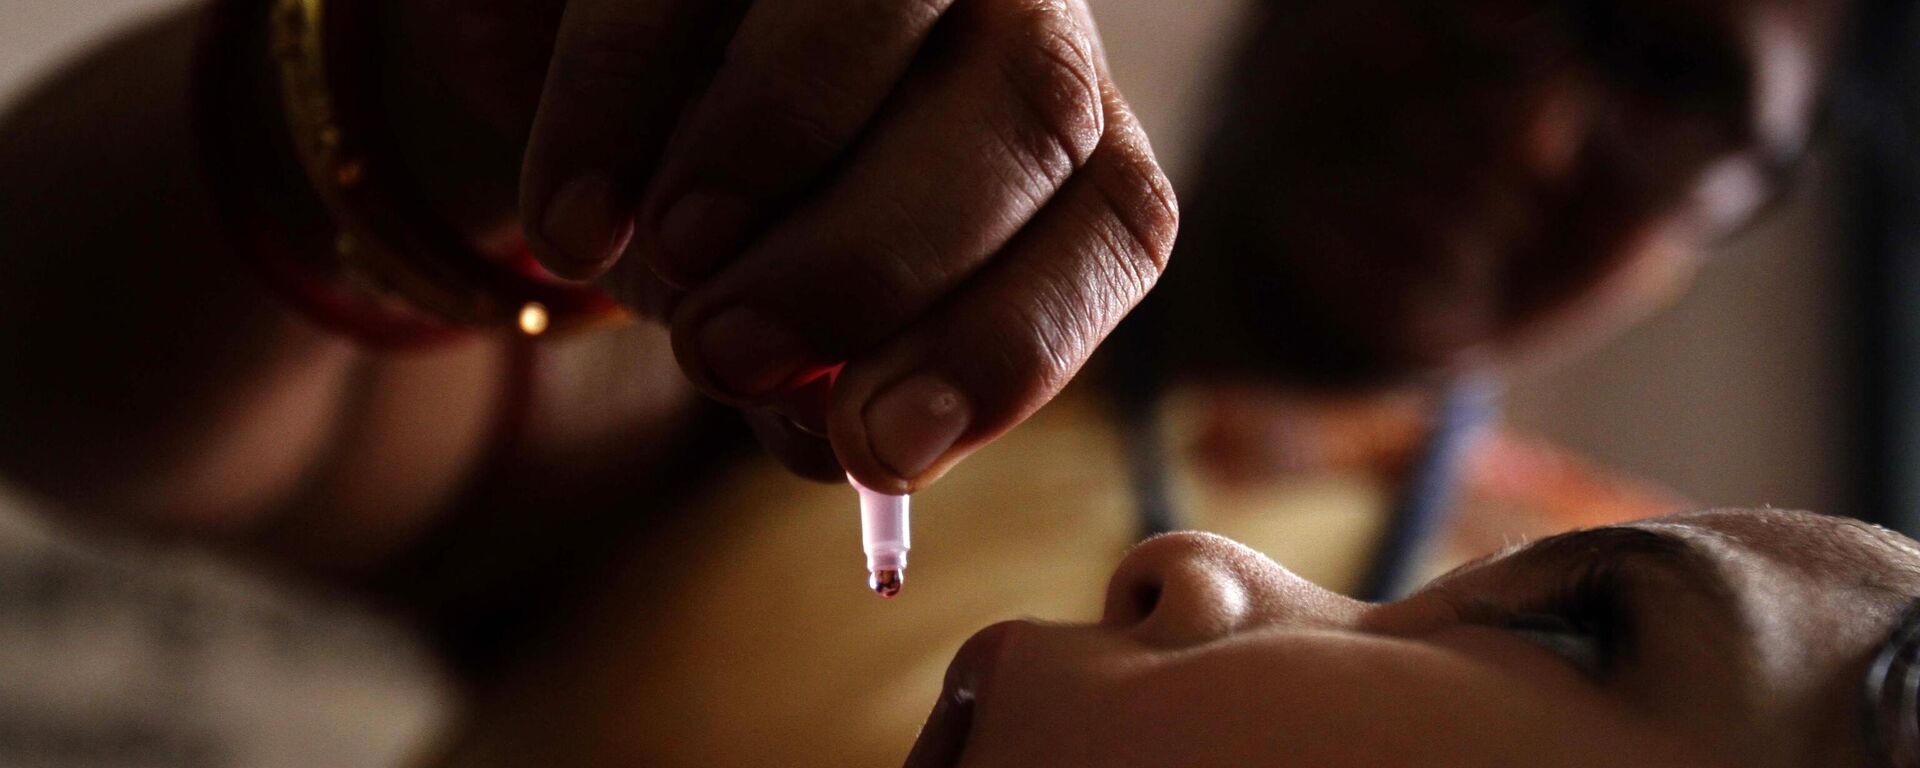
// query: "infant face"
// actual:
[[1714, 638]]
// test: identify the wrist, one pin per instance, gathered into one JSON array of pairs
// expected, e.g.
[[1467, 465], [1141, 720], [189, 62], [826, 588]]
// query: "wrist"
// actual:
[[388, 254], [458, 84]]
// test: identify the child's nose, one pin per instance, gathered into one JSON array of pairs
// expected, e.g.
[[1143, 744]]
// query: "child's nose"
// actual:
[[1188, 589]]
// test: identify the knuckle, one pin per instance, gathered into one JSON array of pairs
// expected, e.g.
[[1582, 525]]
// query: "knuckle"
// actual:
[[1118, 263], [1112, 277], [911, 255], [1142, 207], [1049, 62], [1030, 177], [873, 290], [799, 116], [859, 288], [1038, 352]]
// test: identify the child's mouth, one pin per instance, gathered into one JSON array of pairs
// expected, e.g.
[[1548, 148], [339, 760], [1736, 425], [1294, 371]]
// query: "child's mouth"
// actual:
[[943, 740]]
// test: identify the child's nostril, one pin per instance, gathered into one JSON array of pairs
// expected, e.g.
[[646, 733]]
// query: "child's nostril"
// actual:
[[1145, 598]]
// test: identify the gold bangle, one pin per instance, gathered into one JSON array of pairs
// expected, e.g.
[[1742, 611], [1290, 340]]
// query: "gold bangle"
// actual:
[[384, 235]]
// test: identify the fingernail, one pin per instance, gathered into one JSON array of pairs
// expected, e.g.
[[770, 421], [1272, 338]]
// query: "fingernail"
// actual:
[[748, 354], [586, 222], [700, 231], [915, 423]]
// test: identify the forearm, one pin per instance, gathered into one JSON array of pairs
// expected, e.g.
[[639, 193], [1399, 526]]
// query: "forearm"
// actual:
[[141, 371], [149, 376]]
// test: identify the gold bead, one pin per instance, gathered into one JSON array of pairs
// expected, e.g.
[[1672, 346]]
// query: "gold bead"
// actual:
[[534, 319]]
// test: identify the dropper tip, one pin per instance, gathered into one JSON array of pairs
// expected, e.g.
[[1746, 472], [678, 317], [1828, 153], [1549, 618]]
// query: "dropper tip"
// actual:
[[886, 583]]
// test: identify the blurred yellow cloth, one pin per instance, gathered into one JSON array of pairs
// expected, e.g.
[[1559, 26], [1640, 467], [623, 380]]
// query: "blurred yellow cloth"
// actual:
[[748, 637]]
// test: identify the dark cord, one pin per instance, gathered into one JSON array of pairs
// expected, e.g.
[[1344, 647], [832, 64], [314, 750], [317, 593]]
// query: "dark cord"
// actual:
[[1137, 383], [1429, 494]]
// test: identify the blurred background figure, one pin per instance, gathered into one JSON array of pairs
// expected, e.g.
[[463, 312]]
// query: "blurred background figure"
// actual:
[[1451, 276]]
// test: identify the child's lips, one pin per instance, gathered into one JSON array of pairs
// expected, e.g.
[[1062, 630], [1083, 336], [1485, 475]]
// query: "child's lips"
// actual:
[[943, 740]]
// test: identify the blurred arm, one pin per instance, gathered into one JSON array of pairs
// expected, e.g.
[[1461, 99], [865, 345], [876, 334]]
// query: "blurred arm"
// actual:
[[141, 372], [147, 379]]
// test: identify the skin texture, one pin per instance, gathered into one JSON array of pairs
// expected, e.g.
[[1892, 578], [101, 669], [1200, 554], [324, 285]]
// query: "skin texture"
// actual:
[[1738, 638], [157, 385], [949, 204]]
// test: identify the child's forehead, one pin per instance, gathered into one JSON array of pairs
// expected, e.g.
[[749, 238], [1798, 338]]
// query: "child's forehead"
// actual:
[[1819, 595], [1786, 606], [1835, 552], [1763, 561], [1811, 593]]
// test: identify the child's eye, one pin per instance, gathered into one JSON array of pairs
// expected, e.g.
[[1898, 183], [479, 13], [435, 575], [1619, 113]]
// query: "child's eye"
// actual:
[[1579, 646], [1586, 621], [1588, 618]]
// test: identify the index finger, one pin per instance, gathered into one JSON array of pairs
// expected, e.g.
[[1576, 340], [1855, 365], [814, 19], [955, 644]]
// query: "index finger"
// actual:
[[802, 79], [621, 72]]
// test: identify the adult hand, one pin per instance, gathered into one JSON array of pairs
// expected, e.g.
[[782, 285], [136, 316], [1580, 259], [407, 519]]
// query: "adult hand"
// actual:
[[945, 202]]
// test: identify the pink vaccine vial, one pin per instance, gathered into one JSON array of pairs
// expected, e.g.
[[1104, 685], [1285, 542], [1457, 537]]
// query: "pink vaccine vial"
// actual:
[[886, 537]]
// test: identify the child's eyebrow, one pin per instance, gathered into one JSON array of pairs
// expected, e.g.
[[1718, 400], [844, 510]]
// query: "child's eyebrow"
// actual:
[[1658, 544], [1480, 562], [1726, 628], [1682, 556], [1672, 552]]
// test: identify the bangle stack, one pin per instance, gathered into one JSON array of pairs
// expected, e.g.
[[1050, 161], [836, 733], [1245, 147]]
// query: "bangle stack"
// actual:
[[326, 219]]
